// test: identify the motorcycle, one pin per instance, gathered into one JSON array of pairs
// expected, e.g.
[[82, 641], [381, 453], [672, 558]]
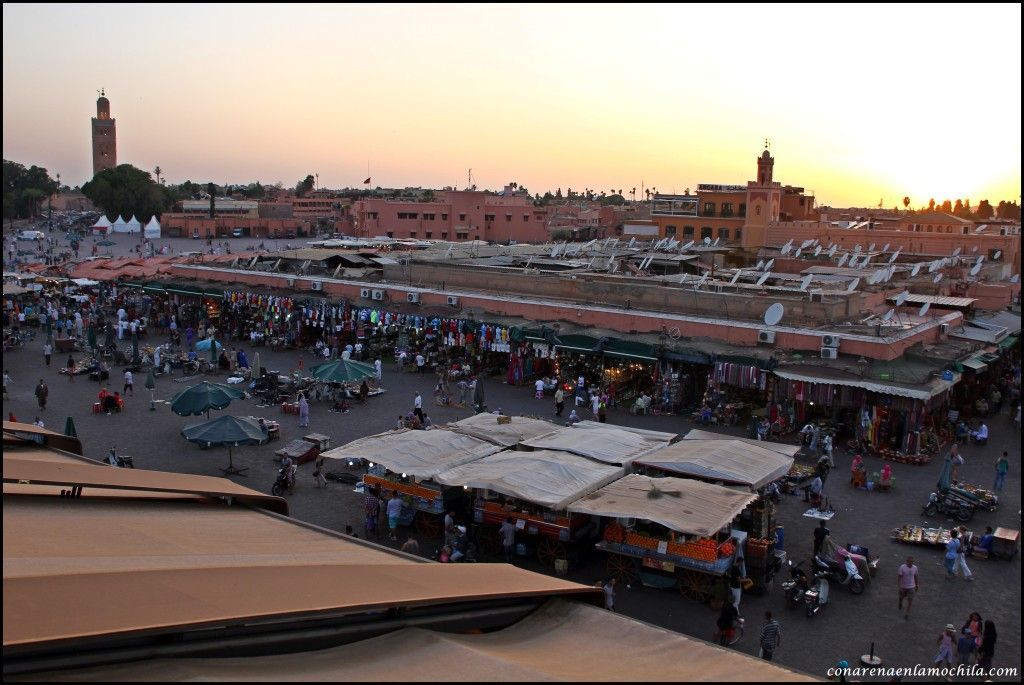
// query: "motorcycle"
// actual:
[[796, 586], [283, 483], [124, 462], [843, 573], [798, 590], [948, 506]]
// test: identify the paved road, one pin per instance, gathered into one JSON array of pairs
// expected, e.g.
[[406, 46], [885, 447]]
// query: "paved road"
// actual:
[[844, 630]]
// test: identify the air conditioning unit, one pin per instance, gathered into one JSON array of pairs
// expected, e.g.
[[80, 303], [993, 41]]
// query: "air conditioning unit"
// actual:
[[378, 294], [316, 285], [364, 293], [453, 301], [290, 282], [830, 341], [766, 336], [829, 353], [943, 328], [412, 297]]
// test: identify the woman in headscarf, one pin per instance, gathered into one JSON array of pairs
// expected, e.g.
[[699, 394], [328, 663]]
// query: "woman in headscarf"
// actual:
[[303, 411]]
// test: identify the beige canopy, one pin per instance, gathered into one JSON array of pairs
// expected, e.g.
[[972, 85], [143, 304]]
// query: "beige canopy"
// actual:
[[419, 453], [685, 506], [550, 479], [600, 441], [730, 461], [563, 640], [788, 450], [486, 427]]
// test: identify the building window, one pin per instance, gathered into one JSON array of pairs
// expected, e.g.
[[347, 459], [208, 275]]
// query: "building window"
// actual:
[[705, 232], [391, 234], [371, 215], [444, 217], [670, 231], [723, 233], [526, 218], [488, 217], [508, 218], [407, 215], [687, 231], [738, 234], [709, 209], [429, 217], [412, 234], [444, 235], [726, 209], [743, 209], [476, 237], [462, 217], [430, 234], [461, 235]]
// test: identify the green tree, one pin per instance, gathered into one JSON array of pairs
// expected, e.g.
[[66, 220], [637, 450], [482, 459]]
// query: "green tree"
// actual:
[[24, 189], [560, 235], [303, 187], [906, 202], [126, 191], [931, 205], [946, 206], [427, 196], [984, 210]]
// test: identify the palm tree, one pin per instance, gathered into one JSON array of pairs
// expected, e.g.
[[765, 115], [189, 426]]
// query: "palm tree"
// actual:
[[906, 202], [647, 193], [157, 171]]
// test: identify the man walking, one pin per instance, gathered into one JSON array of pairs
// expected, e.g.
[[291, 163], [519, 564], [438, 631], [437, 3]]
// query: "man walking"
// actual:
[[961, 555], [508, 538], [417, 406], [907, 584], [559, 401], [609, 593], [421, 363], [47, 351], [1002, 468], [7, 381], [820, 533], [771, 636], [128, 382], [42, 392], [379, 367]]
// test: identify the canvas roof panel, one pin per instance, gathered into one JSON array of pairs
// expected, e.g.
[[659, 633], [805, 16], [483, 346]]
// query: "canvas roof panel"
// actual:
[[731, 461], [422, 454]]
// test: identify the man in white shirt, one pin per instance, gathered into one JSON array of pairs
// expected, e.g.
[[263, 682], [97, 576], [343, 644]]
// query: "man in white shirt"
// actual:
[[417, 406], [128, 381], [981, 435], [538, 388], [380, 369], [401, 360], [421, 363], [347, 354]]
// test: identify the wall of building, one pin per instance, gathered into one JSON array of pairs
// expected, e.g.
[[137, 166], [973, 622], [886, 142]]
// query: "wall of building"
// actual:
[[184, 225]]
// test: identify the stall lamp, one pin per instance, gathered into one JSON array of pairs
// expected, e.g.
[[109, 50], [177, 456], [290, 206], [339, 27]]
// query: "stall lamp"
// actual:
[[812, 404], [403, 475], [370, 464], [351, 463], [465, 487]]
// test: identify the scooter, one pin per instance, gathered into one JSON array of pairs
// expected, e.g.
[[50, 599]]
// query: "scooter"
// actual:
[[948, 506], [796, 586], [282, 483], [843, 573]]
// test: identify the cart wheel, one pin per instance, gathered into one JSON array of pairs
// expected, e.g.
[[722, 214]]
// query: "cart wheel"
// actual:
[[622, 568], [549, 550], [694, 585], [488, 539], [428, 524]]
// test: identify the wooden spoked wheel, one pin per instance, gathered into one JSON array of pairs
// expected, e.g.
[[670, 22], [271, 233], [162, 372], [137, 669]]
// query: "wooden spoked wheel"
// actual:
[[548, 550], [622, 568], [695, 585], [428, 524], [487, 537]]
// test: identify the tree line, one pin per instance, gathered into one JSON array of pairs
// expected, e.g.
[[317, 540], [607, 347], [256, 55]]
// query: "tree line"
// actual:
[[963, 210]]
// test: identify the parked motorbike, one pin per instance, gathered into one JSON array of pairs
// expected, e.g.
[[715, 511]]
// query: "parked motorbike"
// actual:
[[796, 586], [283, 482], [799, 591], [948, 506], [124, 462], [842, 573]]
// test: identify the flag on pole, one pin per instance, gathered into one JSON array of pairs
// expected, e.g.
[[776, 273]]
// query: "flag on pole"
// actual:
[[367, 181]]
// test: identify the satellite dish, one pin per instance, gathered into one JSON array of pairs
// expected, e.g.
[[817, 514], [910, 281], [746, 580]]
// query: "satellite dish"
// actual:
[[760, 263], [773, 315], [717, 240], [853, 285], [981, 258], [974, 249], [997, 254], [924, 309], [632, 242], [736, 277], [707, 241], [785, 249], [683, 279], [886, 248], [832, 250], [797, 254], [1014, 278], [842, 260], [702, 281], [764, 277], [768, 266], [856, 248], [915, 271], [894, 256], [875, 276], [871, 248], [956, 252], [938, 277], [976, 269], [687, 246], [901, 298], [933, 267], [888, 315], [817, 250], [805, 282]]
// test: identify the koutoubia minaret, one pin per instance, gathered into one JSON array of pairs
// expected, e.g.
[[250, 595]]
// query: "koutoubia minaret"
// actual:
[[104, 137]]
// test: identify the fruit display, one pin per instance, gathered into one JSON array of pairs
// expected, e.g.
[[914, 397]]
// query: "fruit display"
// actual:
[[916, 535], [900, 458], [613, 532], [405, 488], [980, 496], [800, 471]]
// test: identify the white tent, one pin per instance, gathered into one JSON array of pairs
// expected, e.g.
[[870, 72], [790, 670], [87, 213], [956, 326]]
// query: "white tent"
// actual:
[[119, 226], [602, 441], [422, 454], [152, 229], [102, 225], [133, 225]]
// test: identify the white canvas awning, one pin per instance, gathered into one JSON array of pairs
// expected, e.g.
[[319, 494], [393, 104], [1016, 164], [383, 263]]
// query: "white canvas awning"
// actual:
[[102, 222], [84, 282], [418, 453], [781, 448], [119, 226], [133, 225], [603, 442], [152, 229], [918, 392], [486, 427], [729, 461], [685, 506], [550, 479]]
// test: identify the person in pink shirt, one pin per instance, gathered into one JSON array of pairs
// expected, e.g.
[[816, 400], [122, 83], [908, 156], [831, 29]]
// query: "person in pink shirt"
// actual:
[[907, 584]]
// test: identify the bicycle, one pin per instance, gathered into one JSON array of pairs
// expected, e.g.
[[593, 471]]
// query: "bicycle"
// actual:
[[729, 638]]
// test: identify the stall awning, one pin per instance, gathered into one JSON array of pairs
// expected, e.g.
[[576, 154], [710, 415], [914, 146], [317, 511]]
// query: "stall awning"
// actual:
[[154, 288], [685, 506], [422, 454], [185, 290], [601, 442], [130, 284], [975, 364], [729, 461], [577, 343], [518, 428], [626, 349], [215, 292], [922, 391], [691, 356], [1008, 342]]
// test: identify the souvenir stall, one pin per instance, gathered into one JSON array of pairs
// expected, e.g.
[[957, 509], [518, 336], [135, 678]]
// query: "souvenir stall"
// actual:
[[406, 461], [733, 390], [260, 319], [682, 381], [649, 536], [318, 323], [532, 355], [628, 371]]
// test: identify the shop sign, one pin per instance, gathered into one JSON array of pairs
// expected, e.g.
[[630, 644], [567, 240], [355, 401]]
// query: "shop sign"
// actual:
[[658, 564]]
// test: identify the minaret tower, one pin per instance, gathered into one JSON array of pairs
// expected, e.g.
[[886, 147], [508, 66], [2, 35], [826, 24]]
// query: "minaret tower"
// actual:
[[104, 137]]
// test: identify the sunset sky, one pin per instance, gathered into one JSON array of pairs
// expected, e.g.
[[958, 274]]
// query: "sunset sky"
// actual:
[[861, 103]]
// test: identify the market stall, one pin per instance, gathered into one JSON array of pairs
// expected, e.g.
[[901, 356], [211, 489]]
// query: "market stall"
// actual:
[[511, 432], [667, 531], [602, 442], [534, 489], [407, 461]]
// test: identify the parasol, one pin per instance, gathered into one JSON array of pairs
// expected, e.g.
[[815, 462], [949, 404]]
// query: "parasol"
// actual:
[[231, 431], [69, 428], [343, 371], [202, 397]]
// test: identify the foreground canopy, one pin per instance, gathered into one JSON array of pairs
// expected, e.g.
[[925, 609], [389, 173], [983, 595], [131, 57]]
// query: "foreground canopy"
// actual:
[[550, 479], [600, 441], [682, 505], [422, 454], [730, 461]]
